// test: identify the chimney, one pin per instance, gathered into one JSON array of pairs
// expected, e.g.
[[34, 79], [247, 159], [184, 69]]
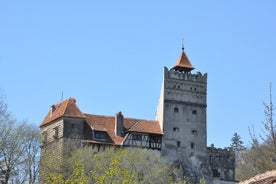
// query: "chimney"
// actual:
[[119, 124], [53, 108]]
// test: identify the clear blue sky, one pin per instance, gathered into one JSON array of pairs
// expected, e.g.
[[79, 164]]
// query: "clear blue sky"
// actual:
[[110, 55]]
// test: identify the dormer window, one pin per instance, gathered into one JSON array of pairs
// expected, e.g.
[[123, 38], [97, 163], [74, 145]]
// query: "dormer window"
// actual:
[[99, 135]]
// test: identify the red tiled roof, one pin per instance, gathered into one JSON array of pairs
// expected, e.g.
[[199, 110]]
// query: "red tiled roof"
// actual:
[[264, 178], [183, 63], [102, 123], [66, 108], [107, 123], [147, 127]]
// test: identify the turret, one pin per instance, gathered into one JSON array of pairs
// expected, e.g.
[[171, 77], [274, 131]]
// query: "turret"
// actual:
[[183, 63]]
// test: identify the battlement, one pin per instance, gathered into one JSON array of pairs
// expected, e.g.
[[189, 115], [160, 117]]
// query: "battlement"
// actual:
[[226, 152], [187, 76]]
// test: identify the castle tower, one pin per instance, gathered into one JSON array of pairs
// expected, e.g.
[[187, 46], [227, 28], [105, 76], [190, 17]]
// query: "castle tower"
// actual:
[[63, 122], [181, 112]]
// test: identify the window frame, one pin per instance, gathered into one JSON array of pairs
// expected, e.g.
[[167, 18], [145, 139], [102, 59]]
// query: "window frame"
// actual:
[[99, 135], [55, 132], [175, 129], [136, 137], [192, 145]]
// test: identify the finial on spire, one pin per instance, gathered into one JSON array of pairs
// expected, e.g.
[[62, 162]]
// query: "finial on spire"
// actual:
[[182, 44]]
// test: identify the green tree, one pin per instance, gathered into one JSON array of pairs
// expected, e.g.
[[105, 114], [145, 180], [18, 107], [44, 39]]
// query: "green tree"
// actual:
[[129, 165], [237, 143], [77, 177]]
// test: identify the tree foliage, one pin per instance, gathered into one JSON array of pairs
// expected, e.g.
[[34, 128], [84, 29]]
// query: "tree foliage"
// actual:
[[261, 155], [237, 143], [19, 148], [113, 166]]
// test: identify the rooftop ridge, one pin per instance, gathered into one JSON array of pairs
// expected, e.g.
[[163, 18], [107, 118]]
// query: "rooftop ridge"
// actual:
[[110, 116]]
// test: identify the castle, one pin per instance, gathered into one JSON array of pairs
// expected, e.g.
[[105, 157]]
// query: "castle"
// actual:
[[178, 131]]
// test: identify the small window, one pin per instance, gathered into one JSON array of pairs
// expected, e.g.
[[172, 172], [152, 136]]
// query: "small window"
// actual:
[[137, 137], [194, 132], [176, 109], [175, 129], [56, 132], [178, 143], [73, 125], [192, 145], [154, 139], [194, 112]]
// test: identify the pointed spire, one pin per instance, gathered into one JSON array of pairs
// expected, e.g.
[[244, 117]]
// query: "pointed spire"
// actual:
[[182, 44], [183, 63]]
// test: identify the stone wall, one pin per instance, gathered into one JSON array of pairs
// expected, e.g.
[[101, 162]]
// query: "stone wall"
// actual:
[[184, 114], [74, 128], [222, 163], [51, 131]]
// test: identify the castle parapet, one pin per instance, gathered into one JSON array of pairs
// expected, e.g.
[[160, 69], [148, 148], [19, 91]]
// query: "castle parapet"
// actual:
[[188, 76]]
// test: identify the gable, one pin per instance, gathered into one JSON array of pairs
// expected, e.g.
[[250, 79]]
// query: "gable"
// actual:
[[66, 108]]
